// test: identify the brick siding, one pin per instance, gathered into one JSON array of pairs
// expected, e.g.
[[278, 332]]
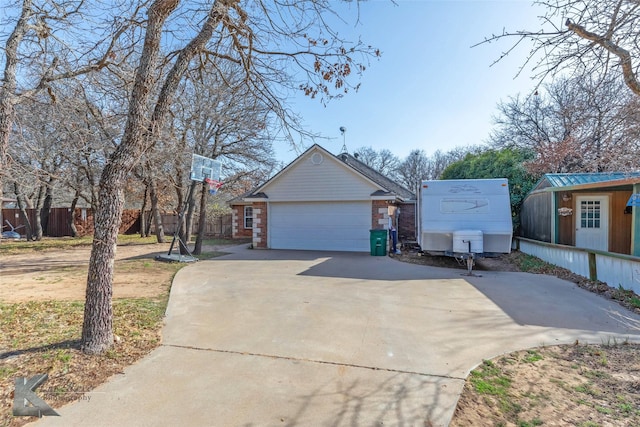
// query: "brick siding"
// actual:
[[379, 214], [260, 225], [407, 222], [237, 223]]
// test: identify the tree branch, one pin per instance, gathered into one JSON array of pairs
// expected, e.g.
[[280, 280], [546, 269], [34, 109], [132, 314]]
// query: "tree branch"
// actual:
[[630, 77]]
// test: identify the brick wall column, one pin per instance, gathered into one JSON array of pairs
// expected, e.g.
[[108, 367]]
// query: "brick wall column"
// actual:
[[407, 221], [379, 215], [260, 225], [234, 221]]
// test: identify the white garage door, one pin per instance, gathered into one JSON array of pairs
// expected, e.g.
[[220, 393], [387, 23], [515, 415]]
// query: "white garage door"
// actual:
[[332, 226]]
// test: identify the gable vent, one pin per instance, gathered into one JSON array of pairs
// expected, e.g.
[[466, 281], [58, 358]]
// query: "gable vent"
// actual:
[[316, 158]]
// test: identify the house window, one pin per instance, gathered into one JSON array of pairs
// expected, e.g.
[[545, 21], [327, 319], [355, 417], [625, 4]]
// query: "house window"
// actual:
[[590, 214], [248, 217]]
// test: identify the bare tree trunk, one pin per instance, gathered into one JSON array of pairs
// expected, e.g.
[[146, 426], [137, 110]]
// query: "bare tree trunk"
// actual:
[[8, 88], [182, 205], [143, 216], [181, 201], [37, 234], [147, 231], [187, 223], [202, 221], [46, 208], [22, 208], [155, 211], [97, 329], [72, 222]]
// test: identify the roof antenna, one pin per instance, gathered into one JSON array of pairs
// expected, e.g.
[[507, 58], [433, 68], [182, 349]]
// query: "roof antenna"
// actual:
[[344, 143]]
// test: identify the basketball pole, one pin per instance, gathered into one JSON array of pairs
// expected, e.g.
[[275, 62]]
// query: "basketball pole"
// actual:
[[176, 234], [203, 170]]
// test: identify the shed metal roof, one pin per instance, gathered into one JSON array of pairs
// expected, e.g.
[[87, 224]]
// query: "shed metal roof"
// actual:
[[571, 179]]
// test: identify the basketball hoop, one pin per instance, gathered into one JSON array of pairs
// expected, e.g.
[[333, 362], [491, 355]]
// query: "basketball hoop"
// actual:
[[214, 185], [206, 170]]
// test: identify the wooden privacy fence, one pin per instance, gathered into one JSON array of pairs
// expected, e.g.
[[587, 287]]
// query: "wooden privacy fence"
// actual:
[[216, 227], [58, 224]]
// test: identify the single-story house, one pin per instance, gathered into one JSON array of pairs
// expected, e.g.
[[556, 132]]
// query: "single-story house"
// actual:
[[585, 210], [322, 201]]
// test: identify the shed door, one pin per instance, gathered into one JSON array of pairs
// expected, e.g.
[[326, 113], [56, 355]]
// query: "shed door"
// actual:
[[592, 222], [326, 226]]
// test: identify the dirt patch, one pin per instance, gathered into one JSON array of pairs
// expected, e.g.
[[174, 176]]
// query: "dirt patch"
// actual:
[[569, 385], [53, 275], [502, 262], [62, 275]]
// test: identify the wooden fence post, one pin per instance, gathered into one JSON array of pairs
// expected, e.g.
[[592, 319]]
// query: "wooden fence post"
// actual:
[[593, 271]]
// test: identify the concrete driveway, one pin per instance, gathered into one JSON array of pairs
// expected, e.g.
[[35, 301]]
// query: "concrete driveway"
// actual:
[[292, 338]]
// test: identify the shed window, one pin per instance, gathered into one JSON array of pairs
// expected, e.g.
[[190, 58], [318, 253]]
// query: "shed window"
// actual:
[[590, 214], [248, 217]]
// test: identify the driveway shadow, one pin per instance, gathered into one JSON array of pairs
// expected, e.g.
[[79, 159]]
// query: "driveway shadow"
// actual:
[[528, 299], [542, 300], [398, 399], [349, 265]]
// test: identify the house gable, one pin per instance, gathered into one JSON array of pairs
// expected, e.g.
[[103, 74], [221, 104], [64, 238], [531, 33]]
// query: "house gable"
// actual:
[[317, 175]]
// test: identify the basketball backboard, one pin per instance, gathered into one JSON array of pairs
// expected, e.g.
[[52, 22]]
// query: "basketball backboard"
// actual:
[[204, 167]]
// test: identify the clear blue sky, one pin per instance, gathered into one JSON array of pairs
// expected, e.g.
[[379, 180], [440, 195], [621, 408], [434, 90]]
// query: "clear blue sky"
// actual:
[[430, 90]]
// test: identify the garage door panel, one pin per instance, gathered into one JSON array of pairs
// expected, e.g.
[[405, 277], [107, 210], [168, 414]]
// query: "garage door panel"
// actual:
[[342, 226], [349, 245], [322, 233], [342, 220]]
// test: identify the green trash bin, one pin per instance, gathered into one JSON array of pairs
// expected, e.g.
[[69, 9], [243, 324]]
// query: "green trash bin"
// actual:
[[378, 240]]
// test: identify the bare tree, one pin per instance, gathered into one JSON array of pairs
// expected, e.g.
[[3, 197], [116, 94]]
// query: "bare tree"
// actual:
[[39, 146], [43, 43], [251, 37], [62, 145], [383, 161], [440, 160], [572, 125], [221, 119], [589, 37], [419, 166], [413, 169], [92, 132]]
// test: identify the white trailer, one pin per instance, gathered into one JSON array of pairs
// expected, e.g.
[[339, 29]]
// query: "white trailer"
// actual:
[[465, 218]]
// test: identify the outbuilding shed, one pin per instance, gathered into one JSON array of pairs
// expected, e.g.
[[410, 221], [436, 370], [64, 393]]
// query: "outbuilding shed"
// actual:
[[585, 210]]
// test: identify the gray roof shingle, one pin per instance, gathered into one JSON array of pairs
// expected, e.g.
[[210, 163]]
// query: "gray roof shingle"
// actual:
[[391, 186]]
